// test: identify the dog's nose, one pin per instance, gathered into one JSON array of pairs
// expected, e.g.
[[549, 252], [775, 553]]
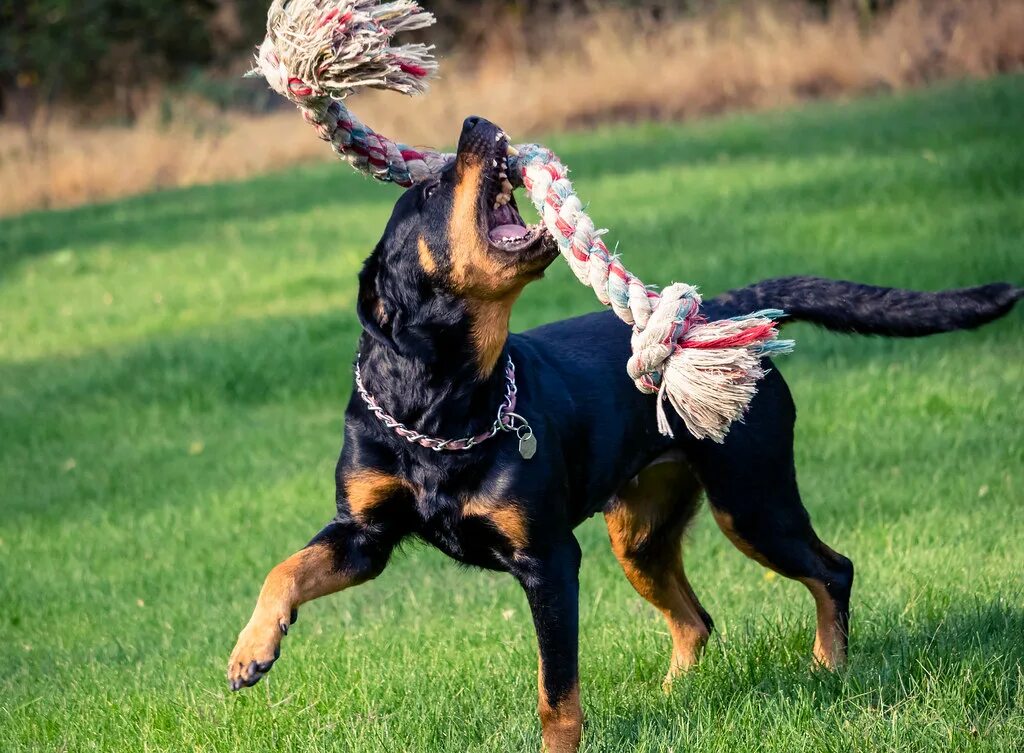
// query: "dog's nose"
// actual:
[[470, 123]]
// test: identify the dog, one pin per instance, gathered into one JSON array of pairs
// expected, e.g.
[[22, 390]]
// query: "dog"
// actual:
[[425, 456]]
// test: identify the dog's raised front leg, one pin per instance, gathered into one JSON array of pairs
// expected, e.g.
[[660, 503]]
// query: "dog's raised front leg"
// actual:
[[551, 582], [341, 556]]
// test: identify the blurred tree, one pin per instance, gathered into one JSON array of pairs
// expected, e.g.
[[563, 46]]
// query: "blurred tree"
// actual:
[[107, 49]]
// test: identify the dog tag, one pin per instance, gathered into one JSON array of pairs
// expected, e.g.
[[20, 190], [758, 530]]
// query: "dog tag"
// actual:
[[528, 446]]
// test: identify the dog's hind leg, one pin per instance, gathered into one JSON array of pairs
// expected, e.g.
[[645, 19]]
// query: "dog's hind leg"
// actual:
[[776, 532], [752, 491], [646, 522], [342, 555]]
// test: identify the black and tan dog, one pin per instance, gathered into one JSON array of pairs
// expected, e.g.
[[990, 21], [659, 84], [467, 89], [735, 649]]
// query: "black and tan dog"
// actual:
[[434, 301]]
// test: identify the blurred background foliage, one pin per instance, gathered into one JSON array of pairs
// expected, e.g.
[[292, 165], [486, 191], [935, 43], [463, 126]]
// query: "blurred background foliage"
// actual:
[[101, 99], [111, 53]]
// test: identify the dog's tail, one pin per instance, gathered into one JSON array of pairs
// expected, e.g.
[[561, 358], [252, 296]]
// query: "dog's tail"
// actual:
[[865, 309]]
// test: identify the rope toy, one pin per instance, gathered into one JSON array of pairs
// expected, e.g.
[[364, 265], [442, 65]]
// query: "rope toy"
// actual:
[[318, 52]]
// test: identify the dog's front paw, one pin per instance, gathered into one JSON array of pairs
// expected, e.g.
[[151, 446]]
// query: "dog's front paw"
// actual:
[[257, 648]]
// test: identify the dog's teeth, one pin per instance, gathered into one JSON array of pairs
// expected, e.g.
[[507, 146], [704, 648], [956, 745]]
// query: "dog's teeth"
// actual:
[[502, 175], [511, 151], [494, 163], [505, 185]]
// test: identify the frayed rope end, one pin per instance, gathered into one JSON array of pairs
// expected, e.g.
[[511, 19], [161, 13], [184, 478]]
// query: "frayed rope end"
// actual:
[[712, 375], [334, 48]]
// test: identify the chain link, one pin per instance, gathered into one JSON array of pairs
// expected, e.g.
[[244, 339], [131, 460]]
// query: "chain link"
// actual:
[[506, 420]]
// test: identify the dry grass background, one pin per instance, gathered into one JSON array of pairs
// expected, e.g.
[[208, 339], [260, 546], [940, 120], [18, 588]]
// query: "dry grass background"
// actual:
[[609, 66]]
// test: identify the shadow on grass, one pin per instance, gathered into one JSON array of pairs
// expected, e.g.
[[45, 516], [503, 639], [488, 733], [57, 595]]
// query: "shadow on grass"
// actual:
[[968, 659], [181, 215], [251, 362], [125, 412]]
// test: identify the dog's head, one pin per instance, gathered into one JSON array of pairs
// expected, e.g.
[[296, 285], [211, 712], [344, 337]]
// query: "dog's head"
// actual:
[[457, 241]]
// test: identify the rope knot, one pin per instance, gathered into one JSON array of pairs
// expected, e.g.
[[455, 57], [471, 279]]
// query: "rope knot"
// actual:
[[656, 341]]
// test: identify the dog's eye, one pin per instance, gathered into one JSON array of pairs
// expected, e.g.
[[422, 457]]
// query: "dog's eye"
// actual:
[[430, 189]]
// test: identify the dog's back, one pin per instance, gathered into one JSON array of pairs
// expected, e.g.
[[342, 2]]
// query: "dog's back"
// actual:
[[575, 368]]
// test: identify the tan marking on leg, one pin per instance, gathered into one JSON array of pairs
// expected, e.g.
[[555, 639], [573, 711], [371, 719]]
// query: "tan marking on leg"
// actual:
[[829, 640], [648, 545], [689, 633], [306, 575], [725, 522], [427, 260], [561, 722], [505, 516], [366, 488], [661, 582]]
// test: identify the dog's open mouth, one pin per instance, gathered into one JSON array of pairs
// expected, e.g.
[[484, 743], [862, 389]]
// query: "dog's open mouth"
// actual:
[[505, 227]]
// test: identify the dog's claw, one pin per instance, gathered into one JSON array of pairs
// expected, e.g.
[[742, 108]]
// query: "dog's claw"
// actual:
[[241, 682]]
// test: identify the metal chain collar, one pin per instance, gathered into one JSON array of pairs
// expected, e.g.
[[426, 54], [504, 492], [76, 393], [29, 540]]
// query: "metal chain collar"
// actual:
[[507, 420]]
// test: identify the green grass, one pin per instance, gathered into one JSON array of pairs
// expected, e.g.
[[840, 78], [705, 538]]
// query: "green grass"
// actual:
[[173, 372]]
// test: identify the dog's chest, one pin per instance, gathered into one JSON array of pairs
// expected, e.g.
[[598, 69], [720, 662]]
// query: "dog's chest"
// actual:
[[472, 530]]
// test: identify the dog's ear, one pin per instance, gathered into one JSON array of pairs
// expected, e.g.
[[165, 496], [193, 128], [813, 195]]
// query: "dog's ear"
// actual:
[[368, 304], [412, 340], [388, 325]]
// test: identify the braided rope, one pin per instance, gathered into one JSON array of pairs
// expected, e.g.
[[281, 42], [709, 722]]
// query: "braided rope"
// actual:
[[318, 52], [708, 371]]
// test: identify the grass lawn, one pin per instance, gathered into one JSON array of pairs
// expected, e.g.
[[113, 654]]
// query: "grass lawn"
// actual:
[[173, 371]]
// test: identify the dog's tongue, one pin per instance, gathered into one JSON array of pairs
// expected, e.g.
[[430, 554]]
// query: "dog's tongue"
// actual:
[[507, 231]]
